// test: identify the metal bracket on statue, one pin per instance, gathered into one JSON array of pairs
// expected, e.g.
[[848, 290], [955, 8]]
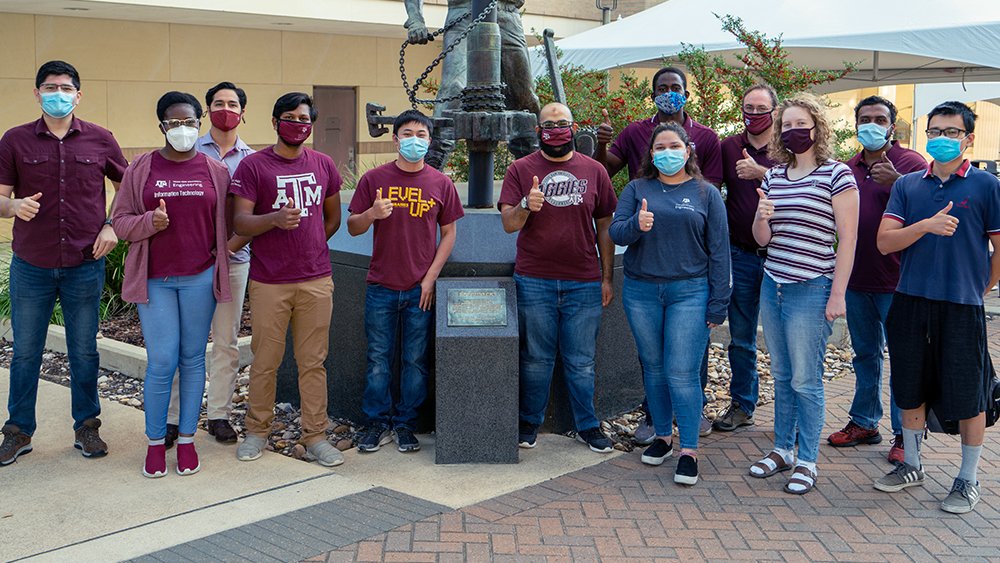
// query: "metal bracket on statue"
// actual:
[[493, 126], [443, 126]]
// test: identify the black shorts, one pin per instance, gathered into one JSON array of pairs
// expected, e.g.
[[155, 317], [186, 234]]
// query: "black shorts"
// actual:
[[937, 355]]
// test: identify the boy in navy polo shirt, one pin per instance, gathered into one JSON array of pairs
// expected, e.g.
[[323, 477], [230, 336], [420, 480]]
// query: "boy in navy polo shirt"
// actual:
[[942, 220]]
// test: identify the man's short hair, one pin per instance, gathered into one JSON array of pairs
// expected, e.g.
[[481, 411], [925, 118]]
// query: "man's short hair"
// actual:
[[876, 101], [292, 101], [412, 116], [174, 98], [765, 87], [240, 94], [672, 70], [955, 108], [57, 68]]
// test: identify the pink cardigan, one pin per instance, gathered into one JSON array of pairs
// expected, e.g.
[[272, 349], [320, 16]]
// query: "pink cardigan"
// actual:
[[134, 223]]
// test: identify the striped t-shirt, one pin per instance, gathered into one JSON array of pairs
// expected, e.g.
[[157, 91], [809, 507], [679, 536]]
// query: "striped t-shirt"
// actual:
[[803, 225]]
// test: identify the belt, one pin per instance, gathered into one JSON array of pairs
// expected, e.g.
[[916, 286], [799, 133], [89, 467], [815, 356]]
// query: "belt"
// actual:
[[760, 252]]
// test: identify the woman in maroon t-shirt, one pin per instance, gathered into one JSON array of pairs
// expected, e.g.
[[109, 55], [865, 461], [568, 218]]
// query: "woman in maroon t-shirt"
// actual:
[[172, 210]]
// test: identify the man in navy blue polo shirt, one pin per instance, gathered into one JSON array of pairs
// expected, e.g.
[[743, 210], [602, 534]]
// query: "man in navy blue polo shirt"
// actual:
[[942, 220]]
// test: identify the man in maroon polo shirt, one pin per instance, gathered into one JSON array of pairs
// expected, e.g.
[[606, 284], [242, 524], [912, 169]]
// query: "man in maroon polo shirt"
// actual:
[[744, 162], [869, 292], [52, 183]]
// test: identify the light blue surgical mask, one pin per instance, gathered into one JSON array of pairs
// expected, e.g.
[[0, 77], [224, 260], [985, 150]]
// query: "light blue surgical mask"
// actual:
[[944, 149], [872, 136], [413, 148], [670, 102], [57, 104], [670, 161]]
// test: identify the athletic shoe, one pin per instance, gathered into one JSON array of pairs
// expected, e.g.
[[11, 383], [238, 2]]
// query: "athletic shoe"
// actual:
[[733, 418], [156, 462], [596, 439], [896, 454], [405, 439], [687, 470], [964, 496], [14, 444], [899, 478], [527, 434], [852, 435], [172, 433], [88, 439], [656, 453], [187, 460], [325, 454], [704, 427], [374, 438], [251, 448], [644, 433]]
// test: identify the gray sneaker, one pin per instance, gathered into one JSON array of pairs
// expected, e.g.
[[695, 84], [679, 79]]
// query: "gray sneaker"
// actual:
[[324, 453], [644, 433], [964, 496], [733, 418], [252, 448], [705, 427], [899, 478]]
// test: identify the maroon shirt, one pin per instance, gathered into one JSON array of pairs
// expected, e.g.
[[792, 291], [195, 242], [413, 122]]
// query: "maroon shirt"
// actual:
[[875, 272], [742, 197], [632, 145], [185, 247], [70, 174], [559, 241], [405, 242]]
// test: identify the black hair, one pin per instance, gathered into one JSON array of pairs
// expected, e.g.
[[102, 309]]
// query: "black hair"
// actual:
[[174, 98], [765, 87], [955, 108], [240, 94], [876, 101], [650, 171], [672, 70], [57, 68], [291, 101], [412, 116]]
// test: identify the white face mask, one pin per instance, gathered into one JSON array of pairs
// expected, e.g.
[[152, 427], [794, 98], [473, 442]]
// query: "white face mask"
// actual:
[[182, 138]]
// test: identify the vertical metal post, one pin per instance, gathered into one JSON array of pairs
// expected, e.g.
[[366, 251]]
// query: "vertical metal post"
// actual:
[[483, 76]]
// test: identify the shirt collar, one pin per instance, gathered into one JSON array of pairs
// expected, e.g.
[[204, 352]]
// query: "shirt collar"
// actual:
[[41, 127], [962, 171], [207, 139]]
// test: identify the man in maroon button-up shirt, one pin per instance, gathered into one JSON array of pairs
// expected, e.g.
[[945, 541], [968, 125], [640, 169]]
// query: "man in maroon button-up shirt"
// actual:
[[52, 175]]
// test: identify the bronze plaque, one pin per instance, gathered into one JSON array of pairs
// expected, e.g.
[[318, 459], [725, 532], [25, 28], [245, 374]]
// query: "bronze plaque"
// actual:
[[477, 307]]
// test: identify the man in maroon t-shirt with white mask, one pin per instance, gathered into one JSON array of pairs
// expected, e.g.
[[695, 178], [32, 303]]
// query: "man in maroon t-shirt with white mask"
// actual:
[[553, 198]]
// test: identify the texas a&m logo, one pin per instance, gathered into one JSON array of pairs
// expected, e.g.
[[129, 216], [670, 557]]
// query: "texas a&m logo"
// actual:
[[301, 189], [562, 189]]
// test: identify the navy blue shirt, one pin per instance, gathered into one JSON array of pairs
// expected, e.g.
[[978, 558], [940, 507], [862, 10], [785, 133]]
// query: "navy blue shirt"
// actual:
[[947, 268]]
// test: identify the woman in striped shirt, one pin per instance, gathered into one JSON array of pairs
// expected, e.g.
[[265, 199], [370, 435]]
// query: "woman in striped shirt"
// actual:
[[806, 201]]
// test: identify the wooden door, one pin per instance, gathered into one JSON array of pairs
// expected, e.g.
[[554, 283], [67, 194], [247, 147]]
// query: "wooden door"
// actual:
[[335, 130]]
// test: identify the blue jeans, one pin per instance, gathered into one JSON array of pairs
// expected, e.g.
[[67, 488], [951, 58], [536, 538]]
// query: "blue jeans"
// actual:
[[175, 325], [385, 310], [33, 293], [744, 310], [563, 316], [668, 322], [796, 332], [866, 314]]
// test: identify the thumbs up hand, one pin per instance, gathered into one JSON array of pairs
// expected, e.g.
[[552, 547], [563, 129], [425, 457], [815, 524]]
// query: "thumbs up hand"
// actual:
[[381, 208], [748, 169], [941, 223], [645, 218], [287, 218], [535, 197], [884, 172], [605, 131], [765, 207], [160, 219], [26, 208]]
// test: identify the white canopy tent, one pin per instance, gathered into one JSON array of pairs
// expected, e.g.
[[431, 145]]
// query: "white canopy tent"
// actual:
[[927, 96], [898, 41]]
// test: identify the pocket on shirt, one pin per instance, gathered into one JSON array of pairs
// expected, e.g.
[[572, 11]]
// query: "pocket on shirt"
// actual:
[[89, 168], [36, 173]]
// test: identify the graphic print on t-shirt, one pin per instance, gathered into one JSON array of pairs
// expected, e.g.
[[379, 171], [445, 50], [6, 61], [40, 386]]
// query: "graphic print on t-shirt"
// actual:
[[410, 198], [178, 188], [305, 191], [561, 188]]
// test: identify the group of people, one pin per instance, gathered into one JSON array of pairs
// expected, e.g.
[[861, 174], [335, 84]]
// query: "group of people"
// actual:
[[898, 246]]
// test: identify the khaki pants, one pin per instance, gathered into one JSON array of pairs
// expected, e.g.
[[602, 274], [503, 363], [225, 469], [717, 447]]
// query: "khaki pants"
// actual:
[[308, 307]]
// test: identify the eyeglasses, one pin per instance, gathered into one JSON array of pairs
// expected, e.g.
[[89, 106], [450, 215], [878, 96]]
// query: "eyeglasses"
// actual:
[[562, 124], [951, 133], [174, 123], [50, 88], [757, 109]]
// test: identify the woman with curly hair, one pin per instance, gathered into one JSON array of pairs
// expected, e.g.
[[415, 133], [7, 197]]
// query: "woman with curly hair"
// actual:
[[807, 202]]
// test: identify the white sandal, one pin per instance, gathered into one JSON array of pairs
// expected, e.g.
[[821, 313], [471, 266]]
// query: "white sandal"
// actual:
[[769, 466], [802, 476]]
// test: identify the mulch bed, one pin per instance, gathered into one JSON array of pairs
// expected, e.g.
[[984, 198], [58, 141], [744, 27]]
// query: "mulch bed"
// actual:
[[127, 328]]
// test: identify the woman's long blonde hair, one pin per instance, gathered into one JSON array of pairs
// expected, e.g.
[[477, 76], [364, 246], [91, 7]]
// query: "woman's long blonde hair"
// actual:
[[823, 143]]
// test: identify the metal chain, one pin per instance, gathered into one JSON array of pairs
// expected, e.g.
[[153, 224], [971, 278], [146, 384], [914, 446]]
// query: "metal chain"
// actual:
[[412, 92]]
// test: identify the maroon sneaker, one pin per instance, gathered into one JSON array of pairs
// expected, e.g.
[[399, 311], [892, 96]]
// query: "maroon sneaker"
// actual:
[[187, 460], [852, 435], [156, 462], [896, 454]]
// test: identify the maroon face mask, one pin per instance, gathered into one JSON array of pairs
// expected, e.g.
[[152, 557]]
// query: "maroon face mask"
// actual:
[[293, 132], [797, 140], [757, 123], [224, 119], [558, 136]]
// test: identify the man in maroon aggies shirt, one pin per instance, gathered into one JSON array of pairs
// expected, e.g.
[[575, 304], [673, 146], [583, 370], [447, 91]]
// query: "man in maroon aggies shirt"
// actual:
[[563, 270]]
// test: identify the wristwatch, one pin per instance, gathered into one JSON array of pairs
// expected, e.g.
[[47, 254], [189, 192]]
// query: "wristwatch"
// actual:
[[108, 221], [524, 203]]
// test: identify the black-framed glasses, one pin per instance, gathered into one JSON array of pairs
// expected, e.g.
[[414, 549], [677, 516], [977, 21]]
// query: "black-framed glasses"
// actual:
[[561, 124], [174, 123], [757, 109], [950, 132], [50, 88]]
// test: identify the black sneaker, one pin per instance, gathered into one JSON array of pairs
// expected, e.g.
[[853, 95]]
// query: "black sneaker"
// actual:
[[405, 439], [527, 434], [596, 439], [657, 452], [172, 433], [374, 438], [687, 470]]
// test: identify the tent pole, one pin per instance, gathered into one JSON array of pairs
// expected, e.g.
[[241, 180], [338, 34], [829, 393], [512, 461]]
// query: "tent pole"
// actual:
[[875, 66]]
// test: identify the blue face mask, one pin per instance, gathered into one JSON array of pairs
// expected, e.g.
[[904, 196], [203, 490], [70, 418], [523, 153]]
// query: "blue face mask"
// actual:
[[943, 149], [669, 161], [872, 137], [57, 104], [413, 148], [670, 102]]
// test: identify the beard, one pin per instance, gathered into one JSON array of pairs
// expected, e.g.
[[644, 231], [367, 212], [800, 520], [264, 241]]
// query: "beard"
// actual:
[[556, 151]]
